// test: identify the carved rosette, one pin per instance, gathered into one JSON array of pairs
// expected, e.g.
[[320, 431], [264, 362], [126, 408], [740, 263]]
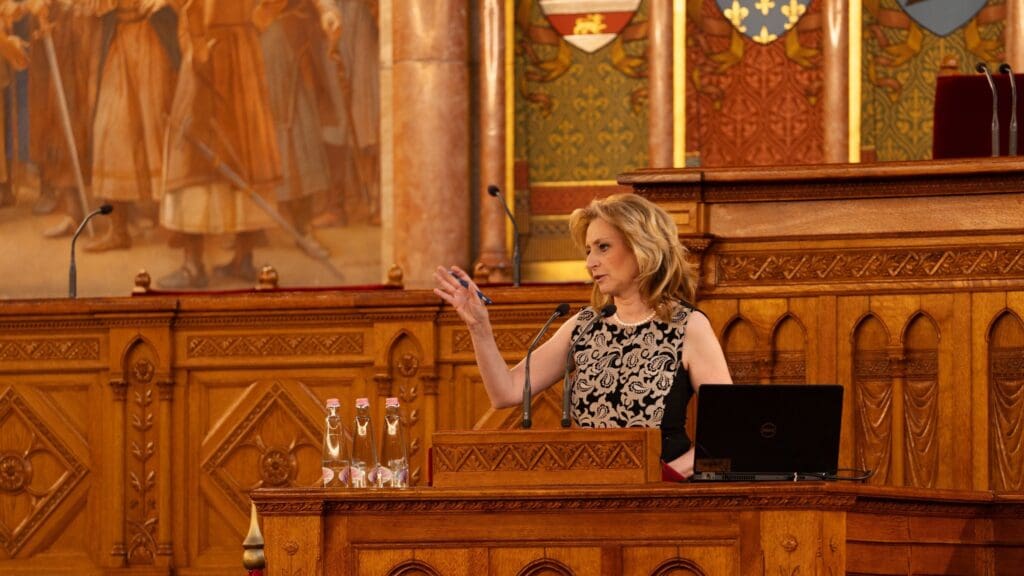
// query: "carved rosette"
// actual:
[[270, 441], [31, 493]]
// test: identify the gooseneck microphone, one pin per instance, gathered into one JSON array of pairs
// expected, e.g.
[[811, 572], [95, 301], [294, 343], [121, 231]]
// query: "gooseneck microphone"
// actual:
[[496, 192], [72, 274], [567, 384], [562, 310], [983, 68], [1005, 69]]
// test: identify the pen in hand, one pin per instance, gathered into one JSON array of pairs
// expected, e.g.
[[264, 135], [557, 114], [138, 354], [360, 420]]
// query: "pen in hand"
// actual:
[[483, 297]]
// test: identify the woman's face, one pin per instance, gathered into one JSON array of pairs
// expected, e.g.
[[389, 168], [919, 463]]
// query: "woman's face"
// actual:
[[610, 260]]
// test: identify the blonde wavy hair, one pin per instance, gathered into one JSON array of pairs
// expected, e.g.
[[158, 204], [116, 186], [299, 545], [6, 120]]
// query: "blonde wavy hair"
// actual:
[[666, 275]]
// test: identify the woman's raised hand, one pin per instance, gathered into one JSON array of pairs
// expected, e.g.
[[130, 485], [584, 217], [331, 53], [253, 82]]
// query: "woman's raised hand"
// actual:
[[455, 287]]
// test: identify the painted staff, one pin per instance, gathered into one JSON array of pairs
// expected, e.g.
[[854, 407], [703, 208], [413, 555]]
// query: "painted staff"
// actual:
[[45, 34]]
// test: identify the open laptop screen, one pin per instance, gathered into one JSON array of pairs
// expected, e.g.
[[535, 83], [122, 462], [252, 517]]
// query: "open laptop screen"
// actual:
[[767, 432]]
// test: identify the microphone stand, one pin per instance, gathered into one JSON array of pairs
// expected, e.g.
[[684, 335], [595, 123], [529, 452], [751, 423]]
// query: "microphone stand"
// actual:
[[516, 261], [527, 391], [1005, 69], [72, 274], [982, 67], [567, 385]]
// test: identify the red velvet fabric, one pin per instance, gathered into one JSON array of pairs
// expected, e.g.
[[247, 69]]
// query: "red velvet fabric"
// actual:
[[963, 116]]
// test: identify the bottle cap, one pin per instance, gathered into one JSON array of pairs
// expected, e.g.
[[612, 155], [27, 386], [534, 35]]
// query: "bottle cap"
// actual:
[[391, 402], [333, 403], [362, 402]]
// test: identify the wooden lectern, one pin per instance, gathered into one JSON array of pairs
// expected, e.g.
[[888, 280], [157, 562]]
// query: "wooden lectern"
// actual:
[[589, 502]]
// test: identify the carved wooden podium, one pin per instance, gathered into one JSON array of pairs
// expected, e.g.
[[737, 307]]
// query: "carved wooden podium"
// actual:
[[539, 503]]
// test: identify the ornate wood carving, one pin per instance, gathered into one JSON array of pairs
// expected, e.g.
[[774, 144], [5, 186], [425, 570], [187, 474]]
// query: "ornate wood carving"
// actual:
[[413, 568], [141, 516], [38, 471], [874, 264], [23, 350], [1006, 403], [921, 404], [508, 339], [539, 456], [262, 450], [545, 567], [873, 406], [237, 346], [405, 359], [678, 567]]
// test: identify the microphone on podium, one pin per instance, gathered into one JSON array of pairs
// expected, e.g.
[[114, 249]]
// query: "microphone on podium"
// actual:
[[562, 310], [1004, 68], [567, 385], [72, 275], [983, 68], [496, 192]]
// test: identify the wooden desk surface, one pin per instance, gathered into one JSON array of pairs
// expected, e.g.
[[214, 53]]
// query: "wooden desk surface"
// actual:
[[790, 528]]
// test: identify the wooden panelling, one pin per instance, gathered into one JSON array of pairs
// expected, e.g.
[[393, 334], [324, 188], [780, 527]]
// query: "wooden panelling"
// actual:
[[650, 529]]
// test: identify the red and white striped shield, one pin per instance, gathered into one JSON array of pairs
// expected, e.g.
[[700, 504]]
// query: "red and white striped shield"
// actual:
[[589, 24]]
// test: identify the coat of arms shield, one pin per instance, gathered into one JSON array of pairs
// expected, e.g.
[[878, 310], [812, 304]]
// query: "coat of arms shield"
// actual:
[[763, 21], [942, 17], [589, 24]]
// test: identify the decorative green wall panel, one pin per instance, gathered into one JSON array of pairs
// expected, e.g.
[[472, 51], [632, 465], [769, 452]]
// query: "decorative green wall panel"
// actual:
[[579, 116]]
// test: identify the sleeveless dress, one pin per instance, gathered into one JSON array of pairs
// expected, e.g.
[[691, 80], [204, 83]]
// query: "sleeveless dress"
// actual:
[[633, 376]]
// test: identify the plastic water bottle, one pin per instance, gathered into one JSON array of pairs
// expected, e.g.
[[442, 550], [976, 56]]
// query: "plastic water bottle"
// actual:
[[335, 460], [364, 450], [394, 455]]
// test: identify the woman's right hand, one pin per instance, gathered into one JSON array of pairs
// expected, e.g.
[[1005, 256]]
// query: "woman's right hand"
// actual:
[[463, 299]]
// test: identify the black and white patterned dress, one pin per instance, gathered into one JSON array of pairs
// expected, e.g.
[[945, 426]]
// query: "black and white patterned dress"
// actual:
[[633, 376]]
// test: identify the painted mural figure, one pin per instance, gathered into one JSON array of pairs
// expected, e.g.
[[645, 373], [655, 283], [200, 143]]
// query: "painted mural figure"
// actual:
[[353, 87], [13, 56], [75, 36], [290, 49], [135, 91], [222, 143]]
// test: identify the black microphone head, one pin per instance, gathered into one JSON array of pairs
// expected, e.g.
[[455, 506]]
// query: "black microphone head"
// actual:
[[562, 309], [106, 209], [493, 190], [608, 310], [1004, 68], [981, 67]]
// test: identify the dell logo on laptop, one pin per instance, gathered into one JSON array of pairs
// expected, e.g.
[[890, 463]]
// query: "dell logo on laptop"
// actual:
[[768, 430]]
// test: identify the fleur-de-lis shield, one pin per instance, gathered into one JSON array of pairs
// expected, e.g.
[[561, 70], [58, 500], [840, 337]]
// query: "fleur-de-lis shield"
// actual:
[[764, 21], [589, 24], [942, 17]]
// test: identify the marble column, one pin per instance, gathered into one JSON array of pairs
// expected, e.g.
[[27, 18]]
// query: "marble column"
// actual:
[[430, 134], [1015, 34], [836, 66], [493, 251], [659, 77]]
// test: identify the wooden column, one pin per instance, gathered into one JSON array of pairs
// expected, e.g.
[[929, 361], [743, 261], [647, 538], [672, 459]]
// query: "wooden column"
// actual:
[[165, 485], [659, 78], [493, 251], [119, 390], [836, 51], [431, 137]]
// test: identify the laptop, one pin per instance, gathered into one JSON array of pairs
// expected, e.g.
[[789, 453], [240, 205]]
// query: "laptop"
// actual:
[[768, 432]]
